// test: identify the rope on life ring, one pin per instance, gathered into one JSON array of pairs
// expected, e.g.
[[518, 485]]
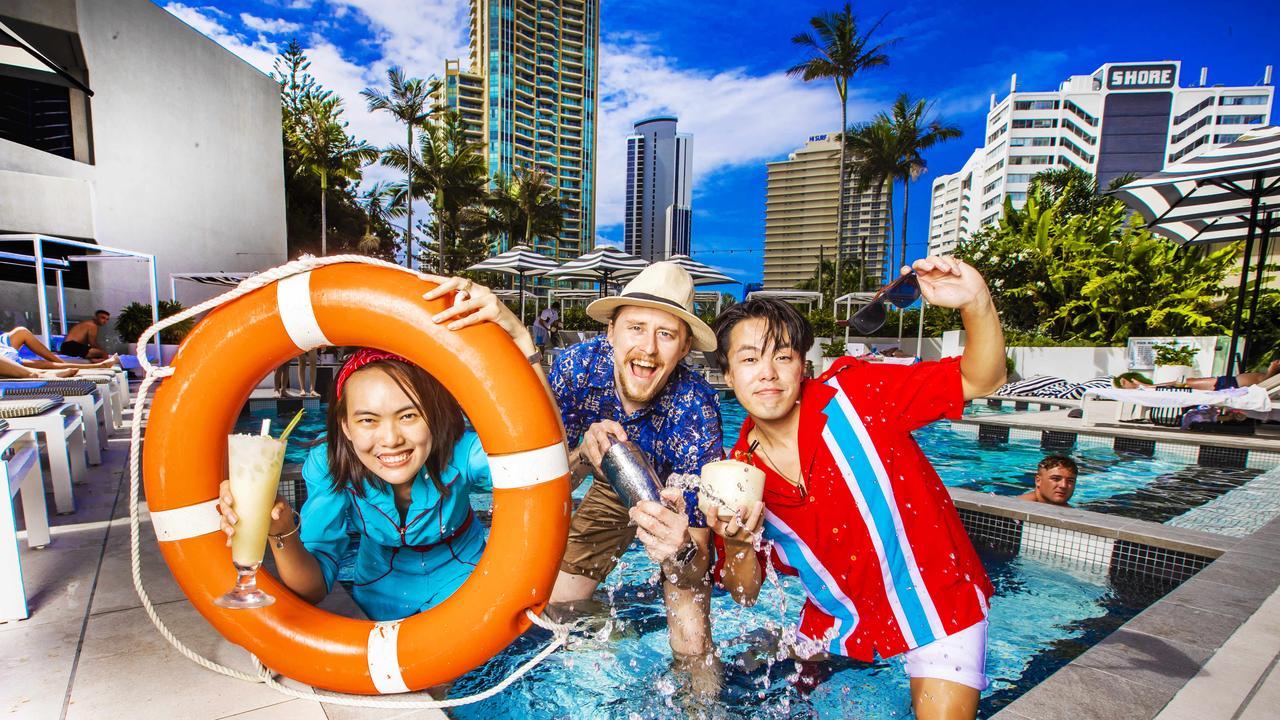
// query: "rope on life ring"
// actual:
[[318, 303]]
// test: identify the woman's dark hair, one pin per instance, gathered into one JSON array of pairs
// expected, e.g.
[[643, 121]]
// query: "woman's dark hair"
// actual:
[[439, 409], [784, 326]]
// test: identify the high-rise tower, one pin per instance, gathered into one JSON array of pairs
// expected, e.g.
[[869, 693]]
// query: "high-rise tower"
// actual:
[[801, 197], [534, 63], [659, 210]]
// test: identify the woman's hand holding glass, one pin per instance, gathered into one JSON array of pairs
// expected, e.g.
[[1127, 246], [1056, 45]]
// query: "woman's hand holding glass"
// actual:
[[282, 516]]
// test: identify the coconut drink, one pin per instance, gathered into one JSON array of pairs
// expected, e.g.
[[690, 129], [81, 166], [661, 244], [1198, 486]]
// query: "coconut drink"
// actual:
[[731, 484]]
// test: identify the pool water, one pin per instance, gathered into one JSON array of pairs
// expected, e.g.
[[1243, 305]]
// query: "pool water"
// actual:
[[1041, 618]]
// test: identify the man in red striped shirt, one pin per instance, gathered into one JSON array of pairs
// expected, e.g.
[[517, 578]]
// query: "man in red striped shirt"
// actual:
[[851, 504]]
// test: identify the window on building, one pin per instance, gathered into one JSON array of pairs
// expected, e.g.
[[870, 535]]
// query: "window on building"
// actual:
[[1018, 178], [1226, 137], [1242, 100], [1023, 123], [1036, 105], [1240, 119]]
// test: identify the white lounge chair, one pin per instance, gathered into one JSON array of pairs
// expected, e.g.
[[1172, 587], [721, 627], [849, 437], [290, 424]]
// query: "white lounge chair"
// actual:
[[1257, 401], [61, 428], [19, 474], [93, 406]]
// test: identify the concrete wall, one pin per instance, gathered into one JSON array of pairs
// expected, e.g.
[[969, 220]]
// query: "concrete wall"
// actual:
[[187, 157]]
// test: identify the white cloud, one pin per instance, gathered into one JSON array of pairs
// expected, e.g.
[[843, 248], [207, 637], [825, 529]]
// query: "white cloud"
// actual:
[[274, 27], [257, 52], [736, 118]]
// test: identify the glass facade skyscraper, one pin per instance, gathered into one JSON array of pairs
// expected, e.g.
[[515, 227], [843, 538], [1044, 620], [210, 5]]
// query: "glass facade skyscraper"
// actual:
[[530, 98], [659, 212]]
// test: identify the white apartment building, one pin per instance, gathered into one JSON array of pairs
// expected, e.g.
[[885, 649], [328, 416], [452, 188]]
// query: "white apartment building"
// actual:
[[1122, 118]]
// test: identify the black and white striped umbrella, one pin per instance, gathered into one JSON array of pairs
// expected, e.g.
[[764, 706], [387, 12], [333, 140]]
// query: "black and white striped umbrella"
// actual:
[[603, 264], [520, 260], [1227, 193], [701, 273], [1211, 197]]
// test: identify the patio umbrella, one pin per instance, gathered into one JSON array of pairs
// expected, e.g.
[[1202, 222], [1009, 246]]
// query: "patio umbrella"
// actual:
[[602, 264], [1217, 196], [702, 274], [520, 260]]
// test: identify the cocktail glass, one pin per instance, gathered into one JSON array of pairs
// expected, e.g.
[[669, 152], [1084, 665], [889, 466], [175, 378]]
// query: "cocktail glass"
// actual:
[[254, 462]]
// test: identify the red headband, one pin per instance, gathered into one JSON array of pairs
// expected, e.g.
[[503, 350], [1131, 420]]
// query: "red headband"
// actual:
[[359, 359]]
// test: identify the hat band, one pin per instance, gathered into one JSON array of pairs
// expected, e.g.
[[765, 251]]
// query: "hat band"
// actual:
[[654, 298]]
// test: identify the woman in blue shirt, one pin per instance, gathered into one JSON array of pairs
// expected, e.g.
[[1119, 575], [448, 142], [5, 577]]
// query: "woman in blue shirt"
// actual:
[[397, 468]]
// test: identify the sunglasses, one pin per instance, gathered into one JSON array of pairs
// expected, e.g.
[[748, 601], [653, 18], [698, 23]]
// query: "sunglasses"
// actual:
[[901, 292]]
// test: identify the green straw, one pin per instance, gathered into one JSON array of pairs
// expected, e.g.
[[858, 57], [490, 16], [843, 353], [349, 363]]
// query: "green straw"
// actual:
[[284, 436]]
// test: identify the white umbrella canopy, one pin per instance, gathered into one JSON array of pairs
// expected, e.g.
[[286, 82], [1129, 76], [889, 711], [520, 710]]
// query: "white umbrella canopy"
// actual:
[[603, 264], [701, 273], [520, 260], [1223, 194]]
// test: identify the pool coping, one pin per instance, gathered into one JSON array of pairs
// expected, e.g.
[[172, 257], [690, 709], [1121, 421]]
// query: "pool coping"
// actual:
[[1138, 669], [1057, 421]]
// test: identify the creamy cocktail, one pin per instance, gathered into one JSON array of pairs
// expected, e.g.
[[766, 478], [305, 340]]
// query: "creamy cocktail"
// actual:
[[253, 468], [254, 463]]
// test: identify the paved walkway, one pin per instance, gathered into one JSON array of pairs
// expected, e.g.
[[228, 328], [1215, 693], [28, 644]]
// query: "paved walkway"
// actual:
[[89, 651]]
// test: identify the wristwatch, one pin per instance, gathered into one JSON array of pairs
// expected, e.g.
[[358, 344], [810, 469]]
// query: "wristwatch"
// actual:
[[685, 553]]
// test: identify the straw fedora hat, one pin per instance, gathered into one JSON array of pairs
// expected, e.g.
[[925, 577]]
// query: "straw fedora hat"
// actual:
[[662, 286]]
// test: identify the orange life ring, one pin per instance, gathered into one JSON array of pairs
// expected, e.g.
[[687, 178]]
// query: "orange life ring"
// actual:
[[185, 458]]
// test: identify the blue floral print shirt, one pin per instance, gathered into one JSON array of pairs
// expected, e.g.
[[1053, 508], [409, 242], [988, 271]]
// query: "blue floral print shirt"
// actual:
[[679, 431]]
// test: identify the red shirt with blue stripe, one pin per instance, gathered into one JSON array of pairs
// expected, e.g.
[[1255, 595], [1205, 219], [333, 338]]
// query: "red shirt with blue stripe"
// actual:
[[875, 538]]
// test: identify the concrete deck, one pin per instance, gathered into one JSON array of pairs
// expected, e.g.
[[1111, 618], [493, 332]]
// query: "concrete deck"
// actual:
[[89, 651]]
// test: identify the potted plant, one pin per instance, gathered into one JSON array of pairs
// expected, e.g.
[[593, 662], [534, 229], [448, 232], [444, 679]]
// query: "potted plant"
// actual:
[[135, 318], [1173, 362], [831, 351]]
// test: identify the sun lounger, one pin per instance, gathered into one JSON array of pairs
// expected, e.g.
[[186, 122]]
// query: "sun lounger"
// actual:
[[82, 392], [1254, 401], [19, 474], [61, 429]]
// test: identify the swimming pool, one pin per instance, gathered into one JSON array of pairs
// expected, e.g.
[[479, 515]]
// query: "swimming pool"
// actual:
[[1042, 617]]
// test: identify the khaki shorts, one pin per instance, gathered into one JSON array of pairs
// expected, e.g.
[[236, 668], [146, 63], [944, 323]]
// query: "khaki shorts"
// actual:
[[599, 533]]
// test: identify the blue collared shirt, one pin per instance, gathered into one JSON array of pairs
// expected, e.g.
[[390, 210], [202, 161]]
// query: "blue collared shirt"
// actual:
[[679, 430], [393, 579]]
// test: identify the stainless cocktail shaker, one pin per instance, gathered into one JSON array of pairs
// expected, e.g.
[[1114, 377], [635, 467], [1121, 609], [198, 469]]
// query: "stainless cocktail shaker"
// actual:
[[629, 473]]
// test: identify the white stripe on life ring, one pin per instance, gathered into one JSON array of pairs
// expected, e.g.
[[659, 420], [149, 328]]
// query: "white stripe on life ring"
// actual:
[[186, 522], [293, 296], [384, 661], [531, 467]]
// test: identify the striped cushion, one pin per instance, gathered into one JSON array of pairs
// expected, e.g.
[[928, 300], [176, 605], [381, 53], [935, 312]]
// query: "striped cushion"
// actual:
[[27, 408], [1030, 387], [1077, 391], [33, 392], [58, 387]]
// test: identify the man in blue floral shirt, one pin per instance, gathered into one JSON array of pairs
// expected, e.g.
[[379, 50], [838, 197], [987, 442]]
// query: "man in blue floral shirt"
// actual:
[[630, 383]]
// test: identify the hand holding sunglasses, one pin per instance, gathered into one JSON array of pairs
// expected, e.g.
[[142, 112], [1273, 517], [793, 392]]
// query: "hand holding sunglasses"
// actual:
[[944, 281]]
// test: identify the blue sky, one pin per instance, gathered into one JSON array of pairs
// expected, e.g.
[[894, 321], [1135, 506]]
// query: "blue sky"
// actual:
[[719, 66]]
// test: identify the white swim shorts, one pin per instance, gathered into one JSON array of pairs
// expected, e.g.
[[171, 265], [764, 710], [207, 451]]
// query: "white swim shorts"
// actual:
[[960, 658]]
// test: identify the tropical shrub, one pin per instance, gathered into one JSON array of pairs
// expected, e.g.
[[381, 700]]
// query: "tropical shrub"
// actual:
[[1097, 277], [1174, 354]]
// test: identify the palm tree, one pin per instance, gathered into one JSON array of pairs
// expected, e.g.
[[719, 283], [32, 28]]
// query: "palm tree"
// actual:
[[326, 150], [451, 172], [877, 161], [408, 103], [526, 207], [916, 133], [376, 203], [838, 53]]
